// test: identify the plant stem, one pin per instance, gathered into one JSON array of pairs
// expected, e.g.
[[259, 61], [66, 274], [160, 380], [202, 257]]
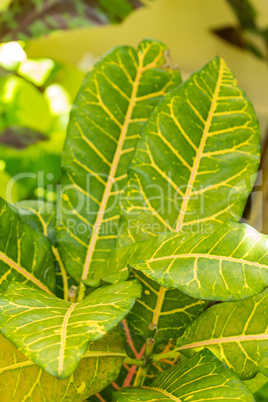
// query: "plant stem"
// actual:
[[81, 292], [140, 377], [134, 362], [141, 374], [170, 355]]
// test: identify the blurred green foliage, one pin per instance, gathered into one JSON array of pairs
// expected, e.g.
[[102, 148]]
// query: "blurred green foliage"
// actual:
[[33, 18], [35, 99]]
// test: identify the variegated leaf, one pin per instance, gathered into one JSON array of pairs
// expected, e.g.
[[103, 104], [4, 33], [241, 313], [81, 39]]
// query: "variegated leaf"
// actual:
[[42, 217], [197, 159], [116, 99], [25, 255], [231, 263], [187, 173], [201, 378], [237, 333], [22, 380], [169, 310], [55, 333]]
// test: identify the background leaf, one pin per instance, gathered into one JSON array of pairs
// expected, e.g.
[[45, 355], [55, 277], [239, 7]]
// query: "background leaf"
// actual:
[[235, 332], [99, 366], [37, 323], [25, 255], [20, 137], [22, 104], [35, 18], [245, 12], [115, 100], [202, 377]]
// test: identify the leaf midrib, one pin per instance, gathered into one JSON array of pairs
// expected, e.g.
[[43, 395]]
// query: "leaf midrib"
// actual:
[[64, 336], [210, 257], [159, 304], [88, 354], [231, 339], [161, 391], [97, 225], [199, 153]]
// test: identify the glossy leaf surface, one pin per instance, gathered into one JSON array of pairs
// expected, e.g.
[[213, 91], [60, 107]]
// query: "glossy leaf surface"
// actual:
[[115, 100], [55, 333], [20, 377], [228, 264], [197, 159], [235, 332], [41, 216], [202, 378], [170, 310], [25, 255]]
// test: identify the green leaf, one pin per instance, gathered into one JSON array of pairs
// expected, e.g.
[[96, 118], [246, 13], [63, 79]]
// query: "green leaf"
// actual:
[[170, 311], [237, 333], [41, 216], [115, 100], [202, 378], [229, 264], [25, 255], [99, 366], [23, 105], [197, 159], [40, 166], [31, 19], [55, 333]]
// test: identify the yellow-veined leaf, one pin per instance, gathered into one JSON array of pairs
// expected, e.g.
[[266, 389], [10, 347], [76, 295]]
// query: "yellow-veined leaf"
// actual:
[[201, 378], [55, 333], [25, 255], [196, 161], [22, 380], [115, 100], [41, 216], [235, 332], [229, 264]]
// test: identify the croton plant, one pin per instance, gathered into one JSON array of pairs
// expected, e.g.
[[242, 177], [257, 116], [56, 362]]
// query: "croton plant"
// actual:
[[140, 284]]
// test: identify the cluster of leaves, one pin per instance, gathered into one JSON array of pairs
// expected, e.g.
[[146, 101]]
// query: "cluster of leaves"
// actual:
[[247, 33], [144, 240]]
